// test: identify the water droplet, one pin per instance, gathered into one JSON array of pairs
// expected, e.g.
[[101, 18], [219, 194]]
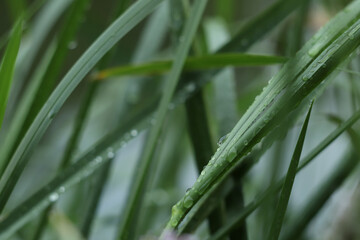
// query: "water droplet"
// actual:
[[232, 154], [314, 50], [110, 154], [53, 197], [203, 172], [246, 142], [188, 202], [98, 159], [62, 189], [222, 140], [174, 222], [305, 77], [134, 133], [72, 45]]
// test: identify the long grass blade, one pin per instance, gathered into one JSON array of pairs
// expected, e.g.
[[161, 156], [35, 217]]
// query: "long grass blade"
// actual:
[[45, 86], [23, 108], [252, 206], [139, 183], [67, 34], [108, 39], [7, 67], [327, 188], [288, 184], [317, 201], [92, 160], [33, 42], [300, 75], [192, 64], [154, 33]]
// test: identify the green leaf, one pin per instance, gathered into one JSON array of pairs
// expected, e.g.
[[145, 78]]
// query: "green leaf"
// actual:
[[322, 194], [252, 206], [288, 184], [192, 64], [87, 61], [138, 188], [66, 35], [23, 108], [32, 44], [96, 157], [7, 67], [300, 75]]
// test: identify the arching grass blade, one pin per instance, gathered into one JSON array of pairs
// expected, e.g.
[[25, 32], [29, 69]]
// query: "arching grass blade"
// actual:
[[252, 206], [7, 67], [81, 68], [297, 79]]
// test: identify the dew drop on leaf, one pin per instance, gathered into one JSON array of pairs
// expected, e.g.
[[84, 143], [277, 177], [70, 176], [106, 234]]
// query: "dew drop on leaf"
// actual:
[[222, 139], [188, 202], [54, 197], [72, 45]]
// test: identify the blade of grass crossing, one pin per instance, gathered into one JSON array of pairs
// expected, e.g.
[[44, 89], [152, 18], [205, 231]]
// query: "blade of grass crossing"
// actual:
[[7, 67], [327, 187], [197, 117], [319, 58], [48, 79], [95, 52], [149, 43], [288, 184], [323, 193], [70, 27], [33, 42], [24, 107], [79, 125], [92, 160], [139, 183], [252, 206], [27, 210], [192, 64]]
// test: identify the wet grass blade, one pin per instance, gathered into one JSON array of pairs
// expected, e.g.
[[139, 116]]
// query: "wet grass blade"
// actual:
[[192, 64], [138, 188], [298, 78], [289, 182], [7, 67], [46, 85], [252, 206], [88, 163], [87, 61]]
